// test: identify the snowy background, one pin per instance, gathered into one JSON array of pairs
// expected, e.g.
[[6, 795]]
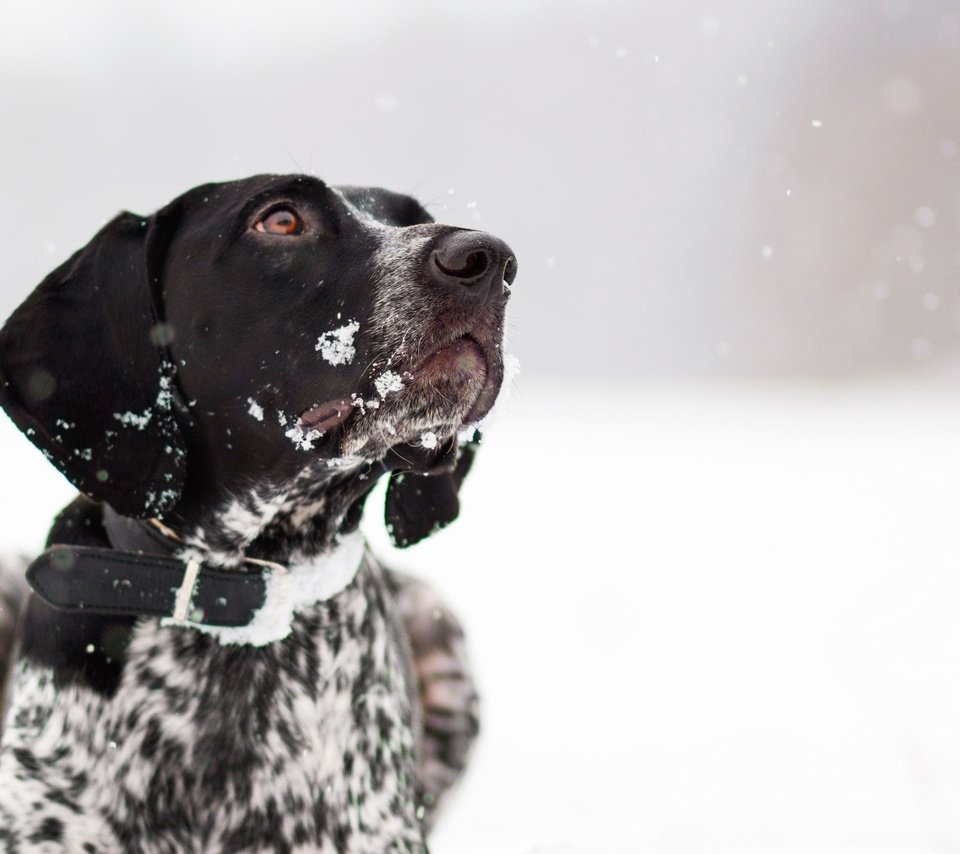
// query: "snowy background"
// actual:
[[708, 560]]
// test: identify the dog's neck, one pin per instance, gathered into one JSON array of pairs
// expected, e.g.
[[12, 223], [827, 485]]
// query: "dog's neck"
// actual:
[[294, 520]]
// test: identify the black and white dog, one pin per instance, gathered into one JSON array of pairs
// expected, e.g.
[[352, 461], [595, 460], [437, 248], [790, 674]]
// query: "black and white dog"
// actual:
[[211, 660]]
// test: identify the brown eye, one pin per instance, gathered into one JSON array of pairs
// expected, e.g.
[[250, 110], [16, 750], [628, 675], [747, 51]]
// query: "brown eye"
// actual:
[[280, 221]]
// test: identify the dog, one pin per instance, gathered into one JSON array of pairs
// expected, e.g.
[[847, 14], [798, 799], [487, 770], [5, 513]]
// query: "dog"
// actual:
[[211, 659]]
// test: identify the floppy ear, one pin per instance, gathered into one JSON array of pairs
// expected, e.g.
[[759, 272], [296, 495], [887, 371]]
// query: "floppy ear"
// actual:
[[420, 502], [83, 373]]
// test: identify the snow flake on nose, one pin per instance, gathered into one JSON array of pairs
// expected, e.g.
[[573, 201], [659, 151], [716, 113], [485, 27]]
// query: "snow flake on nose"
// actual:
[[256, 410], [336, 346]]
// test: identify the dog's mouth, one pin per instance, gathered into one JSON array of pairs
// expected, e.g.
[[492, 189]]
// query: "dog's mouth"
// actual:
[[453, 386], [461, 372]]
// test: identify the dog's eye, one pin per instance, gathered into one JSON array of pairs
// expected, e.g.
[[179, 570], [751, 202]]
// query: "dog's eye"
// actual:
[[280, 221]]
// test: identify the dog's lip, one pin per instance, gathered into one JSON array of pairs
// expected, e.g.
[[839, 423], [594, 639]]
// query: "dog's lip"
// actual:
[[463, 358], [327, 415], [466, 358], [488, 394]]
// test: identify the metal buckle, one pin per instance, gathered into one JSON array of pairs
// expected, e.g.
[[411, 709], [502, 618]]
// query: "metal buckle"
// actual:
[[185, 593]]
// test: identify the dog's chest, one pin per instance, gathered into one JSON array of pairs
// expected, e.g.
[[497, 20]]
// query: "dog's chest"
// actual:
[[304, 744]]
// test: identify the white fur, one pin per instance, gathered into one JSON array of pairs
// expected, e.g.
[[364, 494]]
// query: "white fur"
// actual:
[[288, 591]]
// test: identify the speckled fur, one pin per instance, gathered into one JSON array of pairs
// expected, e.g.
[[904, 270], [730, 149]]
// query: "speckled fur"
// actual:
[[308, 747]]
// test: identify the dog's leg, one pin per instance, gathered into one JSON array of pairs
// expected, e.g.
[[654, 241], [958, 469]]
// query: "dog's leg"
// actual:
[[13, 594], [448, 696]]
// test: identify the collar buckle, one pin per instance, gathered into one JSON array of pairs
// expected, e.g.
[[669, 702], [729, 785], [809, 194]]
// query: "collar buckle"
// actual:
[[185, 591], [181, 608]]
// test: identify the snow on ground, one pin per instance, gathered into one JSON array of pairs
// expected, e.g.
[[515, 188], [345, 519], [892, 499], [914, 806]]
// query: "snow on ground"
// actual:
[[705, 617], [711, 618]]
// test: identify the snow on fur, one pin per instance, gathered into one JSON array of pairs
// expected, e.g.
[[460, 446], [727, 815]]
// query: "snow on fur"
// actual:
[[336, 346], [256, 410], [388, 382]]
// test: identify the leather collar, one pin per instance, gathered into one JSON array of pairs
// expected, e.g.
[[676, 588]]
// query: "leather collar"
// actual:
[[141, 577]]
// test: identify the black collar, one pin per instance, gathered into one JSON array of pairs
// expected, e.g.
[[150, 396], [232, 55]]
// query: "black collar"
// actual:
[[140, 577]]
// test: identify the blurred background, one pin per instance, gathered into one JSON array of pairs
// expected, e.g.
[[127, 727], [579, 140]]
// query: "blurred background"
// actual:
[[708, 562]]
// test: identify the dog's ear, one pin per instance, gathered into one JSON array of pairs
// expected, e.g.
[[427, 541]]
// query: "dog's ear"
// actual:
[[424, 497], [84, 371]]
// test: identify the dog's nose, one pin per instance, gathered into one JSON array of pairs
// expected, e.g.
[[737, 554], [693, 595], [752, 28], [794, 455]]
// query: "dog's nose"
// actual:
[[475, 264]]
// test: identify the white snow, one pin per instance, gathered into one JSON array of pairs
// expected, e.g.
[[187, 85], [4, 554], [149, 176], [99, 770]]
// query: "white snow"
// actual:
[[363, 405], [256, 410], [336, 346], [388, 382], [167, 496], [164, 395], [303, 439], [134, 419], [428, 439]]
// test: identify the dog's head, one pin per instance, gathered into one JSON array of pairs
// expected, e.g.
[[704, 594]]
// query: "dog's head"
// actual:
[[252, 330]]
